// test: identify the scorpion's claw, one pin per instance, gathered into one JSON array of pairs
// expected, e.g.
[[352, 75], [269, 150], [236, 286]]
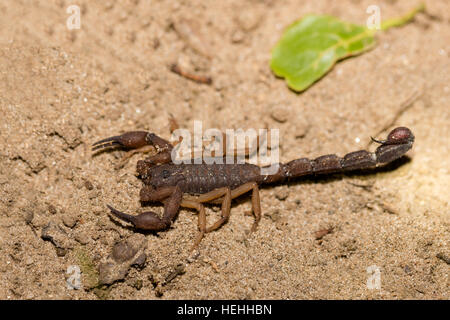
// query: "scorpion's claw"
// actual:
[[129, 140], [121, 215], [145, 221]]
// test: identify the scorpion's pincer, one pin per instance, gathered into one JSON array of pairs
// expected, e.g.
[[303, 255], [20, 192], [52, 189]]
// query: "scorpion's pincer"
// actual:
[[129, 140], [146, 221]]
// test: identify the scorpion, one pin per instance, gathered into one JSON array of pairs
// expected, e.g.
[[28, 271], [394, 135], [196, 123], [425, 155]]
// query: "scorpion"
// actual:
[[191, 185]]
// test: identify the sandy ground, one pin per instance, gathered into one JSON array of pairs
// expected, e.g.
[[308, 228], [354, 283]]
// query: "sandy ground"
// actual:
[[61, 90]]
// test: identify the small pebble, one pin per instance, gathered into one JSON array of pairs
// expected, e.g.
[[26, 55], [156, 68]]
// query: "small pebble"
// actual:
[[194, 255], [407, 269], [58, 237], [61, 252], [106, 274], [280, 115], [52, 209], [237, 36], [53, 233], [28, 216], [82, 238], [93, 194], [123, 251], [138, 284], [118, 263], [275, 215], [69, 220], [248, 20], [29, 296], [140, 261], [159, 292], [282, 193], [88, 185], [282, 224]]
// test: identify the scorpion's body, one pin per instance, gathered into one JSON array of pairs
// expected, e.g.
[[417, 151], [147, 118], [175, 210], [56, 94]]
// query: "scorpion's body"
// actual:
[[196, 179], [166, 182]]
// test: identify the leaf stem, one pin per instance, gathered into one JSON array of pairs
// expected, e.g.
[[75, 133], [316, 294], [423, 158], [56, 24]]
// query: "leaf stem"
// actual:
[[397, 22]]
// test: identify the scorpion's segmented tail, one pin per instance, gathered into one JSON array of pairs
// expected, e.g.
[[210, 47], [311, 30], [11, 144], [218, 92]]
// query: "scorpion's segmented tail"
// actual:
[[398, 142]]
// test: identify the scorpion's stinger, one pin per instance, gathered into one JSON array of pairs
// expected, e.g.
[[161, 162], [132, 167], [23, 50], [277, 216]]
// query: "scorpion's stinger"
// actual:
[[399, 141], [400, 135], [378, 141]]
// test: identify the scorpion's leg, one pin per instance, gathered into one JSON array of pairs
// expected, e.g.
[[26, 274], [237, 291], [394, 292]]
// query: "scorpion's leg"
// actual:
[[192, 204], [196, 203], [220, 194], [170, 196], [226, 208], [256, 202], [226, 205]]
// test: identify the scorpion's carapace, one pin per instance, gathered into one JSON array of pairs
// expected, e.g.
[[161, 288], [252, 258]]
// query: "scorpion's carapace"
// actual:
[[167, 182]]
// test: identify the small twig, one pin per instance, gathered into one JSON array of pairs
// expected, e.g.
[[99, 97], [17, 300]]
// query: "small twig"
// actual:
[[212, 264], [443, 257], [179, 270], [173, 124], [194, 77], [400, 21], [366, 187], [323, 232], [408, 103], [389, 208]]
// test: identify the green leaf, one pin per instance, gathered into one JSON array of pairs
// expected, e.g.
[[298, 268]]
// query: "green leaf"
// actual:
[[310, 47]]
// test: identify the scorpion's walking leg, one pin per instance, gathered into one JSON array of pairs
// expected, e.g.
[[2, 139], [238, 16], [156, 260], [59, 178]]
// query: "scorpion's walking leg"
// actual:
[[226, 208], [192, 204], [256, 201], [216, 194], [170, 196], [226, 205], [196, 203]]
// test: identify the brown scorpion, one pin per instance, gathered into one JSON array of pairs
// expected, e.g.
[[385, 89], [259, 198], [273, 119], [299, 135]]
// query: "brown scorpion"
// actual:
[[167, 182]]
